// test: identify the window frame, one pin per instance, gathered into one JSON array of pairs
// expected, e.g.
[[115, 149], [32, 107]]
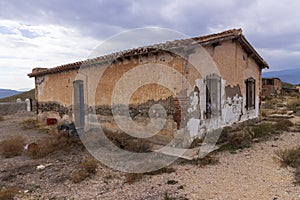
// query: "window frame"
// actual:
[[250, 93]]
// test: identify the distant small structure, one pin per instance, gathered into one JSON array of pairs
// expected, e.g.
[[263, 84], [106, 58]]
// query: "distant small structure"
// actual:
[[298, 87], [289, 88], [271, 87]]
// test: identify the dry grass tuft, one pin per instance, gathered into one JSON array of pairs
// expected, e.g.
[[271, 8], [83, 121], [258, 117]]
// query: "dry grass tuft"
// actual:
[[54, 144], [30, 123], [1, 118], [90, 165], [8, 193], [294, 106], [127, 142], [87, 167], [164, 170], [290, 157], [12, 147], [133, 177], [79, 176]]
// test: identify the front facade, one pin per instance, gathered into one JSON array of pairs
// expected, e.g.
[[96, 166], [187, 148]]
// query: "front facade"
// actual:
[[203, 83], [271, 86]]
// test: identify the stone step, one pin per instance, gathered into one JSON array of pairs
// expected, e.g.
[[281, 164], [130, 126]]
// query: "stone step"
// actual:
[[188, 154]]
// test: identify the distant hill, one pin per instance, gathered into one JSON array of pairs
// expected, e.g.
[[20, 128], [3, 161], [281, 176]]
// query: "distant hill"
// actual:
[[7, 93], [24, 95], [290, 76]]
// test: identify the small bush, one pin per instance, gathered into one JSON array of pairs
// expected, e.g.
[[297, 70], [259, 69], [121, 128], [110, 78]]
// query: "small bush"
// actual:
[[12, 147], [290, 157], [30, 123], [283, 125], [133, 177], [89, 165], [262, 130], [47, 146], [8, 193], [79, 176], [1, 118]]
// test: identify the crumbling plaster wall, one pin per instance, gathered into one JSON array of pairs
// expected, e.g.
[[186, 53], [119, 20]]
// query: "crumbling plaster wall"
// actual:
[[234, 66], [229, 61]]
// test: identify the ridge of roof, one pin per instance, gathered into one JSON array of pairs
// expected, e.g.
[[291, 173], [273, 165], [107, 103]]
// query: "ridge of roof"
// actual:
[[231, 33]]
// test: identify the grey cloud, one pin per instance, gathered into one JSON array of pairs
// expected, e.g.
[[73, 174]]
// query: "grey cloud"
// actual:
[[267, 24]]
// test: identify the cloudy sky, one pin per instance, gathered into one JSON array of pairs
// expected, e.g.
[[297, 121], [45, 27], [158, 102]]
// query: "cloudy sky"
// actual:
[[44, 33]]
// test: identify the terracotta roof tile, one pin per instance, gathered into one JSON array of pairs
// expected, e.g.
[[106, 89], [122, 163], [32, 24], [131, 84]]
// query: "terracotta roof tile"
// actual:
[[229, 34]]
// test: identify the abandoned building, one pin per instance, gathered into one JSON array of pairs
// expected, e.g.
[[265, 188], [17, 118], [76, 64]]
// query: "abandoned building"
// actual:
[[298, 87], [216, 97], [271, 87]]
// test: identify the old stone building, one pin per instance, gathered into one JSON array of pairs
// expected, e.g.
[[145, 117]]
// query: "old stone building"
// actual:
[[202, 83], [271, 86]]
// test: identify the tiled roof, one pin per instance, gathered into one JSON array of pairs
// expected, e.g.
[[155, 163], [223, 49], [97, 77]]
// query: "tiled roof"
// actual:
[[203, 40]]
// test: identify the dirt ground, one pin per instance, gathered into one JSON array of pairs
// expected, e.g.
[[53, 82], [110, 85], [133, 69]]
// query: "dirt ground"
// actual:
[[251, 173]]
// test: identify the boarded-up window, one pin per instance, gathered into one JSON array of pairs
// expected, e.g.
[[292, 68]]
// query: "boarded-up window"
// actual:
[[79, 104], [213, 96], [250, 94]]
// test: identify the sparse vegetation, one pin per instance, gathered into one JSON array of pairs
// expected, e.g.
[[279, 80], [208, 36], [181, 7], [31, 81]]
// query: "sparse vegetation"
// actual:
[[55, 143], [294, 106], [207, 160], [270, 103], [290, 157], [12, 147], [8, 193], [163, 170], [127, 142], [172, 182], [79, 176], [30, 123], [133, 177], [88, 167], [243, 138]]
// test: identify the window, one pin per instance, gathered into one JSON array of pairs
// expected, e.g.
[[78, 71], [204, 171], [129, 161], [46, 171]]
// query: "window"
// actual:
[[250, 94], [213, 96], [79, 112]]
